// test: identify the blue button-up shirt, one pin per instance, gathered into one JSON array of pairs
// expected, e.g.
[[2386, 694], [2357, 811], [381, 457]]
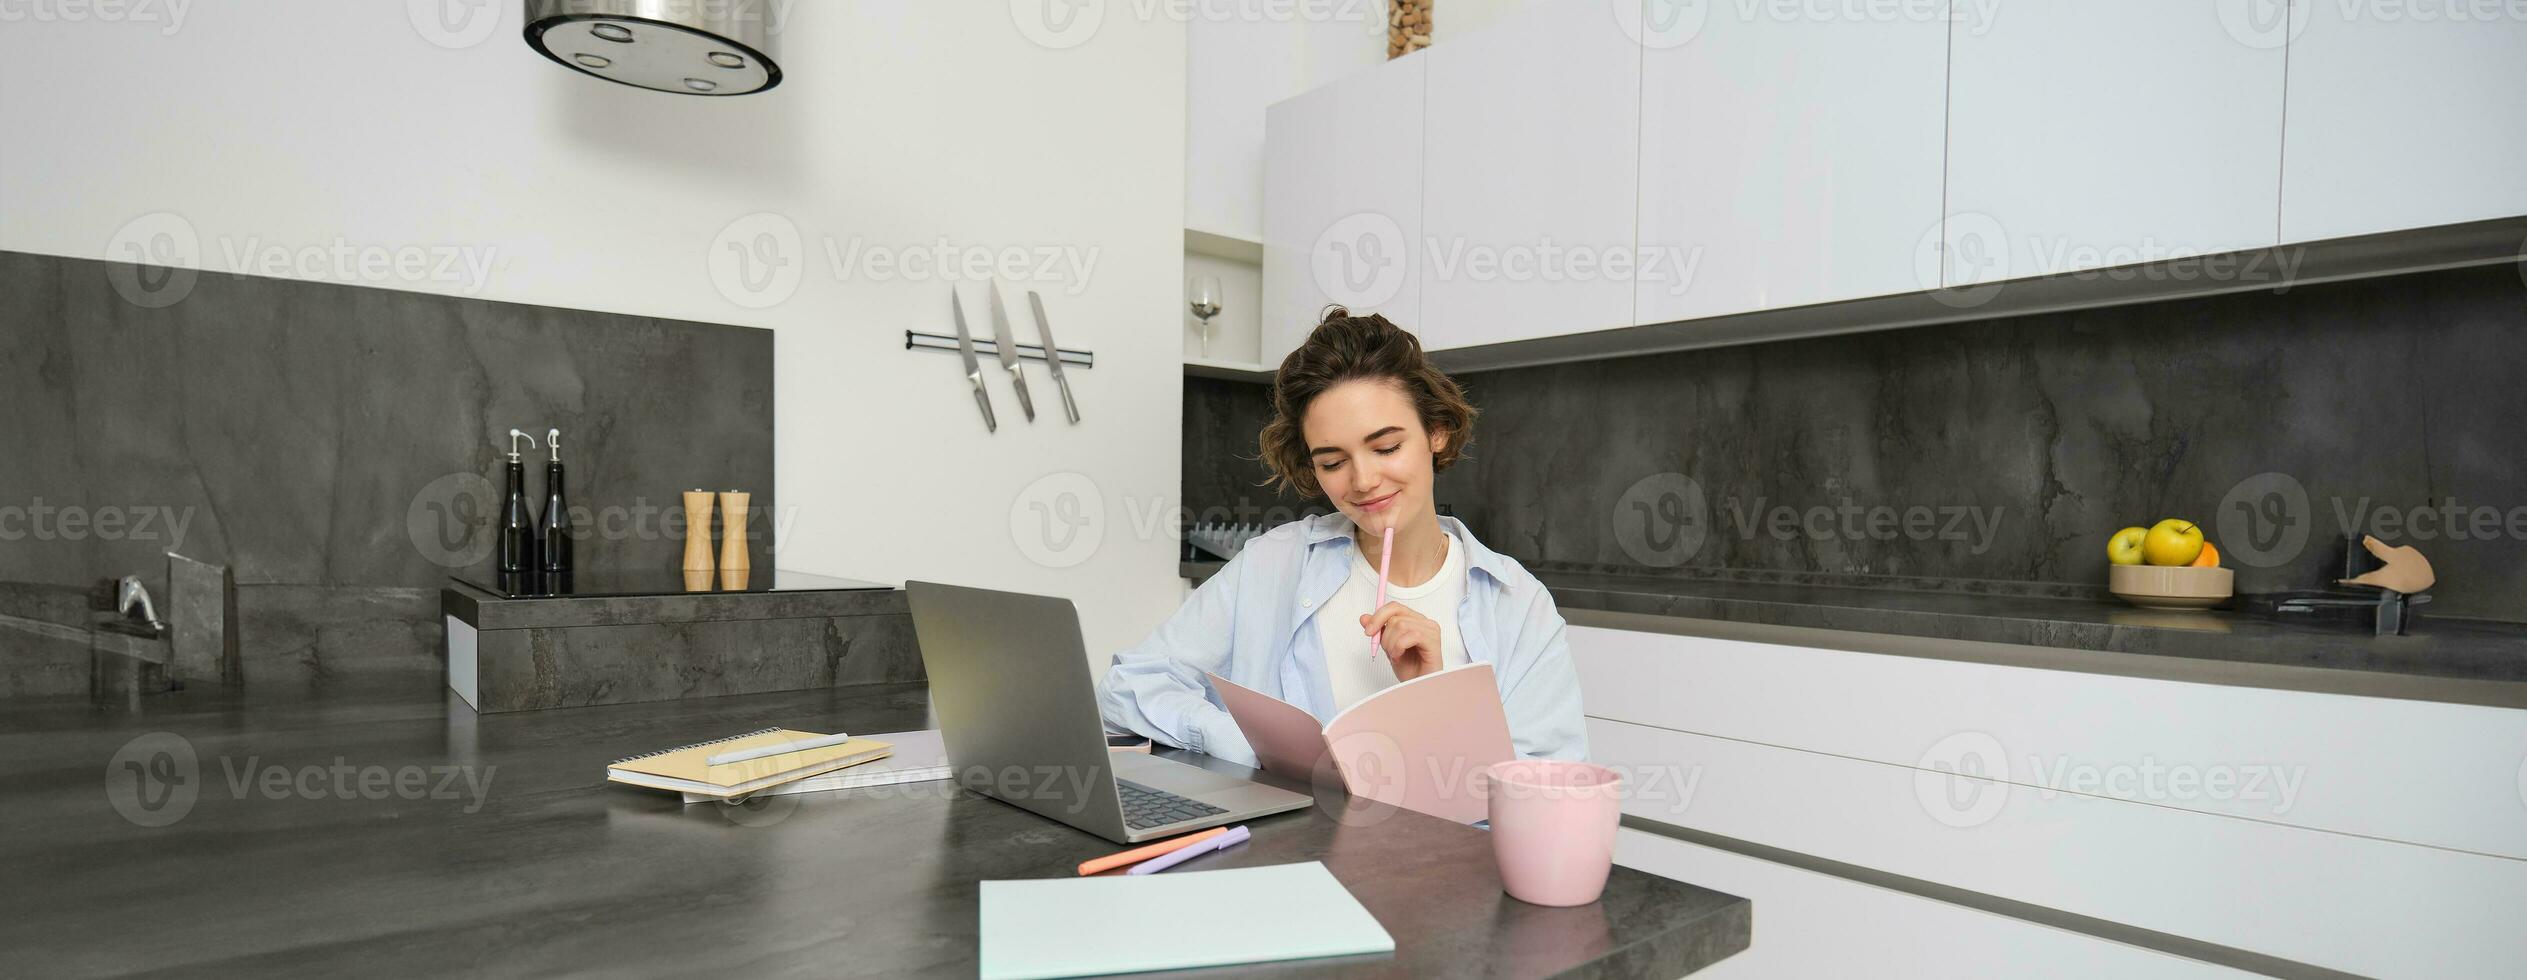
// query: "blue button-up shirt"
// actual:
[[1254, 623]]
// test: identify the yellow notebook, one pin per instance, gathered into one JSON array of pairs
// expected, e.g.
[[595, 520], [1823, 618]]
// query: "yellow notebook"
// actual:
[[685, 769]]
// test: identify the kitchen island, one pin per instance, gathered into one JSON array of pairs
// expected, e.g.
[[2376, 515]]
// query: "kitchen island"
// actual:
[[395, 832]]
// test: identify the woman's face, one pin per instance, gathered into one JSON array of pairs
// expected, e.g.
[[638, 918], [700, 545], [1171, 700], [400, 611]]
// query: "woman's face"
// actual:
[[1371, 454]]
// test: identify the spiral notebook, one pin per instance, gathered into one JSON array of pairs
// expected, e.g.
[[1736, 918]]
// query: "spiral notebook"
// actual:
[[686, 769]]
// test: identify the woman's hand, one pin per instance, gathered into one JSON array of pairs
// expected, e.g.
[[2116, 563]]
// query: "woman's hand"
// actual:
[[1410, 639]]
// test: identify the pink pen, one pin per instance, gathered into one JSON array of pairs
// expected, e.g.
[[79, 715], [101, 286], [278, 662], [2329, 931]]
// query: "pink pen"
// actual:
[[1386, 553]]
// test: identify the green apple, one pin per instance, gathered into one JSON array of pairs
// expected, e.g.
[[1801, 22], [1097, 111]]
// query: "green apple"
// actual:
[[2125, 547], [2173, 542]]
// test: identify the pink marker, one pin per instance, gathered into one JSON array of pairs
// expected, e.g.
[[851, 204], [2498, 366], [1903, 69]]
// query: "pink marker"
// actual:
[[1386, 553]]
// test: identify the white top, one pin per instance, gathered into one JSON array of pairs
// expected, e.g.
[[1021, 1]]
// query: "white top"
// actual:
[[1358, 668]]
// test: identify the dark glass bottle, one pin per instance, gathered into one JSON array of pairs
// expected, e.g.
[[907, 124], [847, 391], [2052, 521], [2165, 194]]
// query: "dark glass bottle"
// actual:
[[517, 523], [554, 527]]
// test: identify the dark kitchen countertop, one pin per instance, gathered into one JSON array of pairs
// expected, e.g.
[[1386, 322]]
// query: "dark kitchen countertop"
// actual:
[[2454, 660], [528, 863]]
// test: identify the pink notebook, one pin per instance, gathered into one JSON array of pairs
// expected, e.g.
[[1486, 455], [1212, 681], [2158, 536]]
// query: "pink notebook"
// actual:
[[1419, 745]]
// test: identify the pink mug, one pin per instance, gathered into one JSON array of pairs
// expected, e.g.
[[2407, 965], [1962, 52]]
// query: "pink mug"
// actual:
[[1553, 827]]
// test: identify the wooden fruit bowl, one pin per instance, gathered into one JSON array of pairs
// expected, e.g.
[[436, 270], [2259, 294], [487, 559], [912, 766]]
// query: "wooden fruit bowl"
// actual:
[[2171, 587]]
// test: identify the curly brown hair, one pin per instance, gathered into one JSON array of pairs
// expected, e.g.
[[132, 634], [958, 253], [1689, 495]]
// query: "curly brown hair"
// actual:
[[1343, 348]]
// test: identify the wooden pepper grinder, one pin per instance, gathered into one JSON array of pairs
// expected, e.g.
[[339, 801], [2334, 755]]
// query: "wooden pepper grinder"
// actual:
[[697, 532], [732, 546]]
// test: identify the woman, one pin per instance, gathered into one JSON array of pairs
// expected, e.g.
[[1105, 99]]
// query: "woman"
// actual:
[[1363, 420]]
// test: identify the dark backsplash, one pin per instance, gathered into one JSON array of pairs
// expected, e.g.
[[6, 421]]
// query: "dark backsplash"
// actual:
[[1224, 475], [340, 448], [2000, 454]]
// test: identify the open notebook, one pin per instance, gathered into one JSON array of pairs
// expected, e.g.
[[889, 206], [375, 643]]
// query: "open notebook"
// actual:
[[686, 770], [1419, 745]]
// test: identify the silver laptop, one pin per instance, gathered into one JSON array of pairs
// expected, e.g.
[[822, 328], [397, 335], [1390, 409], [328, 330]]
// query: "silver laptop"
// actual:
[[1010, 684]]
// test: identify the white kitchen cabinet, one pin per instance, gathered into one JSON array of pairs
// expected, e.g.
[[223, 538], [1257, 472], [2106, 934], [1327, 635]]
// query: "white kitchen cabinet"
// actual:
[[2366, 906], [1810, 924], [2403, 116], [1342, 202], [1788, 161], [2089, 135], [2360, 834], [1530, 163], [1236, 66], [2347, 760]]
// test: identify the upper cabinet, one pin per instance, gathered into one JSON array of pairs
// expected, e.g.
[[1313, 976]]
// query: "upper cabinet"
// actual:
[[2403, 117], [1584, 166], [1234, 68], [1342, 202], [1530, 164], [2085, 135], [1787, 161]]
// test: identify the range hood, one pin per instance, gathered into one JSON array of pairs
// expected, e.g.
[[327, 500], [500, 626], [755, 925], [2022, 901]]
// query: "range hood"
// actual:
[[688, 47]]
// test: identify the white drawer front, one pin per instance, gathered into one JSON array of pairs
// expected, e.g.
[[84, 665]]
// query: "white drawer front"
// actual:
[[2349, 903], [1809, 924], [2421, 772]]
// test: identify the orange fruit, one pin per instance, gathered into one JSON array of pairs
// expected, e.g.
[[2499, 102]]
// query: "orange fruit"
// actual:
[[2210, 557]]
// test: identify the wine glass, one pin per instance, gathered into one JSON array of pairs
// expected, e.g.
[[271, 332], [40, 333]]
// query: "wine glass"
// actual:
[[1203, 295]]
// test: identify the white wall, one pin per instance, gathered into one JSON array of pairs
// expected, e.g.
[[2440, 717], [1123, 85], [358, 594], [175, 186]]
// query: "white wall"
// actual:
[[314, 122], [1235, 67], [1458, 18]]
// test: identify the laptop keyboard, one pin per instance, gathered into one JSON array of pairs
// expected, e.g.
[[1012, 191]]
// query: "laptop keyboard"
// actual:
[[1144, 807]]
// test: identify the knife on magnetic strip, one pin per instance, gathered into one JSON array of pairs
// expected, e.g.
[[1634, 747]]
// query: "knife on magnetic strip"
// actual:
[[973, 365], [1052, 355], [1006, 343]]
